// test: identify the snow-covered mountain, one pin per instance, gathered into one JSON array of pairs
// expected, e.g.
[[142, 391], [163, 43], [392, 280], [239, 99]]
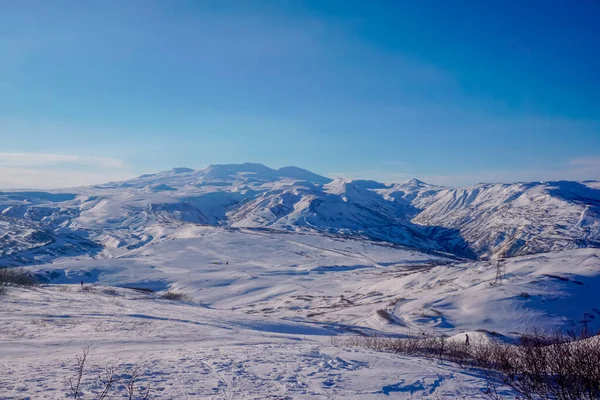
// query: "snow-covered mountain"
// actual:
[[476, 222], [517, 219]]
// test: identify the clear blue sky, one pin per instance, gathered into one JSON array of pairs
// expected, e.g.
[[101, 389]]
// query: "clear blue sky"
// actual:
[[454, 92]]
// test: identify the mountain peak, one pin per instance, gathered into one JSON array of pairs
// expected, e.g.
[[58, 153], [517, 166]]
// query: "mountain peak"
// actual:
[[415, 181]]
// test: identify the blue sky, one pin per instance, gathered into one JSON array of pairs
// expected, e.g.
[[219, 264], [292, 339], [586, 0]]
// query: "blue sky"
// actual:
[[453, 93]]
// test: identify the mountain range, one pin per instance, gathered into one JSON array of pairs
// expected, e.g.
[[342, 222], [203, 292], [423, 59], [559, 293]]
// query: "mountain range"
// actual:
[[478, 222]]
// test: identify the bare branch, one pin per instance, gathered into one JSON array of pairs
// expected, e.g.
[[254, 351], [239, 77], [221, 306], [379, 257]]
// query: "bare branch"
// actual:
[[76, 383], [108, 378], [135, 373]]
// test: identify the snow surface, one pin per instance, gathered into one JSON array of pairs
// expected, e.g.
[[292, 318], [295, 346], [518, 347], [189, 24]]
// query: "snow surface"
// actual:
[[192, 352], [274, 264], [264, 307]]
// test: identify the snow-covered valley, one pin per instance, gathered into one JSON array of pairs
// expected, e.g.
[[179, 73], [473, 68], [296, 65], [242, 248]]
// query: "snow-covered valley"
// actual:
[[273, 264]]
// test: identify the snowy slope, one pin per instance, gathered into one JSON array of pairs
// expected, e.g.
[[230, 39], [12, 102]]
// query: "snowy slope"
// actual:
[[193, 352], [260, 322]]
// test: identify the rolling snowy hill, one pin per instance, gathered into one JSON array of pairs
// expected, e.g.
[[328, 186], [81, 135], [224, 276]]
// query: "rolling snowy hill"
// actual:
[[262, 310]]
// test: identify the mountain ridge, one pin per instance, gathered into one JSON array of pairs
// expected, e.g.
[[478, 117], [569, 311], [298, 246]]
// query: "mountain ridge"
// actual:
[[479, 221]]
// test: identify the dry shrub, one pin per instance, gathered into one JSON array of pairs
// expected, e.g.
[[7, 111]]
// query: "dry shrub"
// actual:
[[16, 277], [110, 292], [139, 289], [557, 366], [171, 295], [554, 366], [385, 314], [114, 376], [395, 301]]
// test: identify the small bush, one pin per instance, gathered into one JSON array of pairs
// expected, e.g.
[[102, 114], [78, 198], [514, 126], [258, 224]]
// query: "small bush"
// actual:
[[385, 314], [139, 289], [493, 333], [171, 295], [110, 292], [128, 380], [560, 278], [395, 301], [17, 277]]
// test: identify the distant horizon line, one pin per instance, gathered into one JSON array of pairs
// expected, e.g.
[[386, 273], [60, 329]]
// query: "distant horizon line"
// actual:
[[184, 170]]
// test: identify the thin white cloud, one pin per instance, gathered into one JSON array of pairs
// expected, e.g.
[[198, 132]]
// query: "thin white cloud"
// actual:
[[44, 159], [48, 171], [586, 164]]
